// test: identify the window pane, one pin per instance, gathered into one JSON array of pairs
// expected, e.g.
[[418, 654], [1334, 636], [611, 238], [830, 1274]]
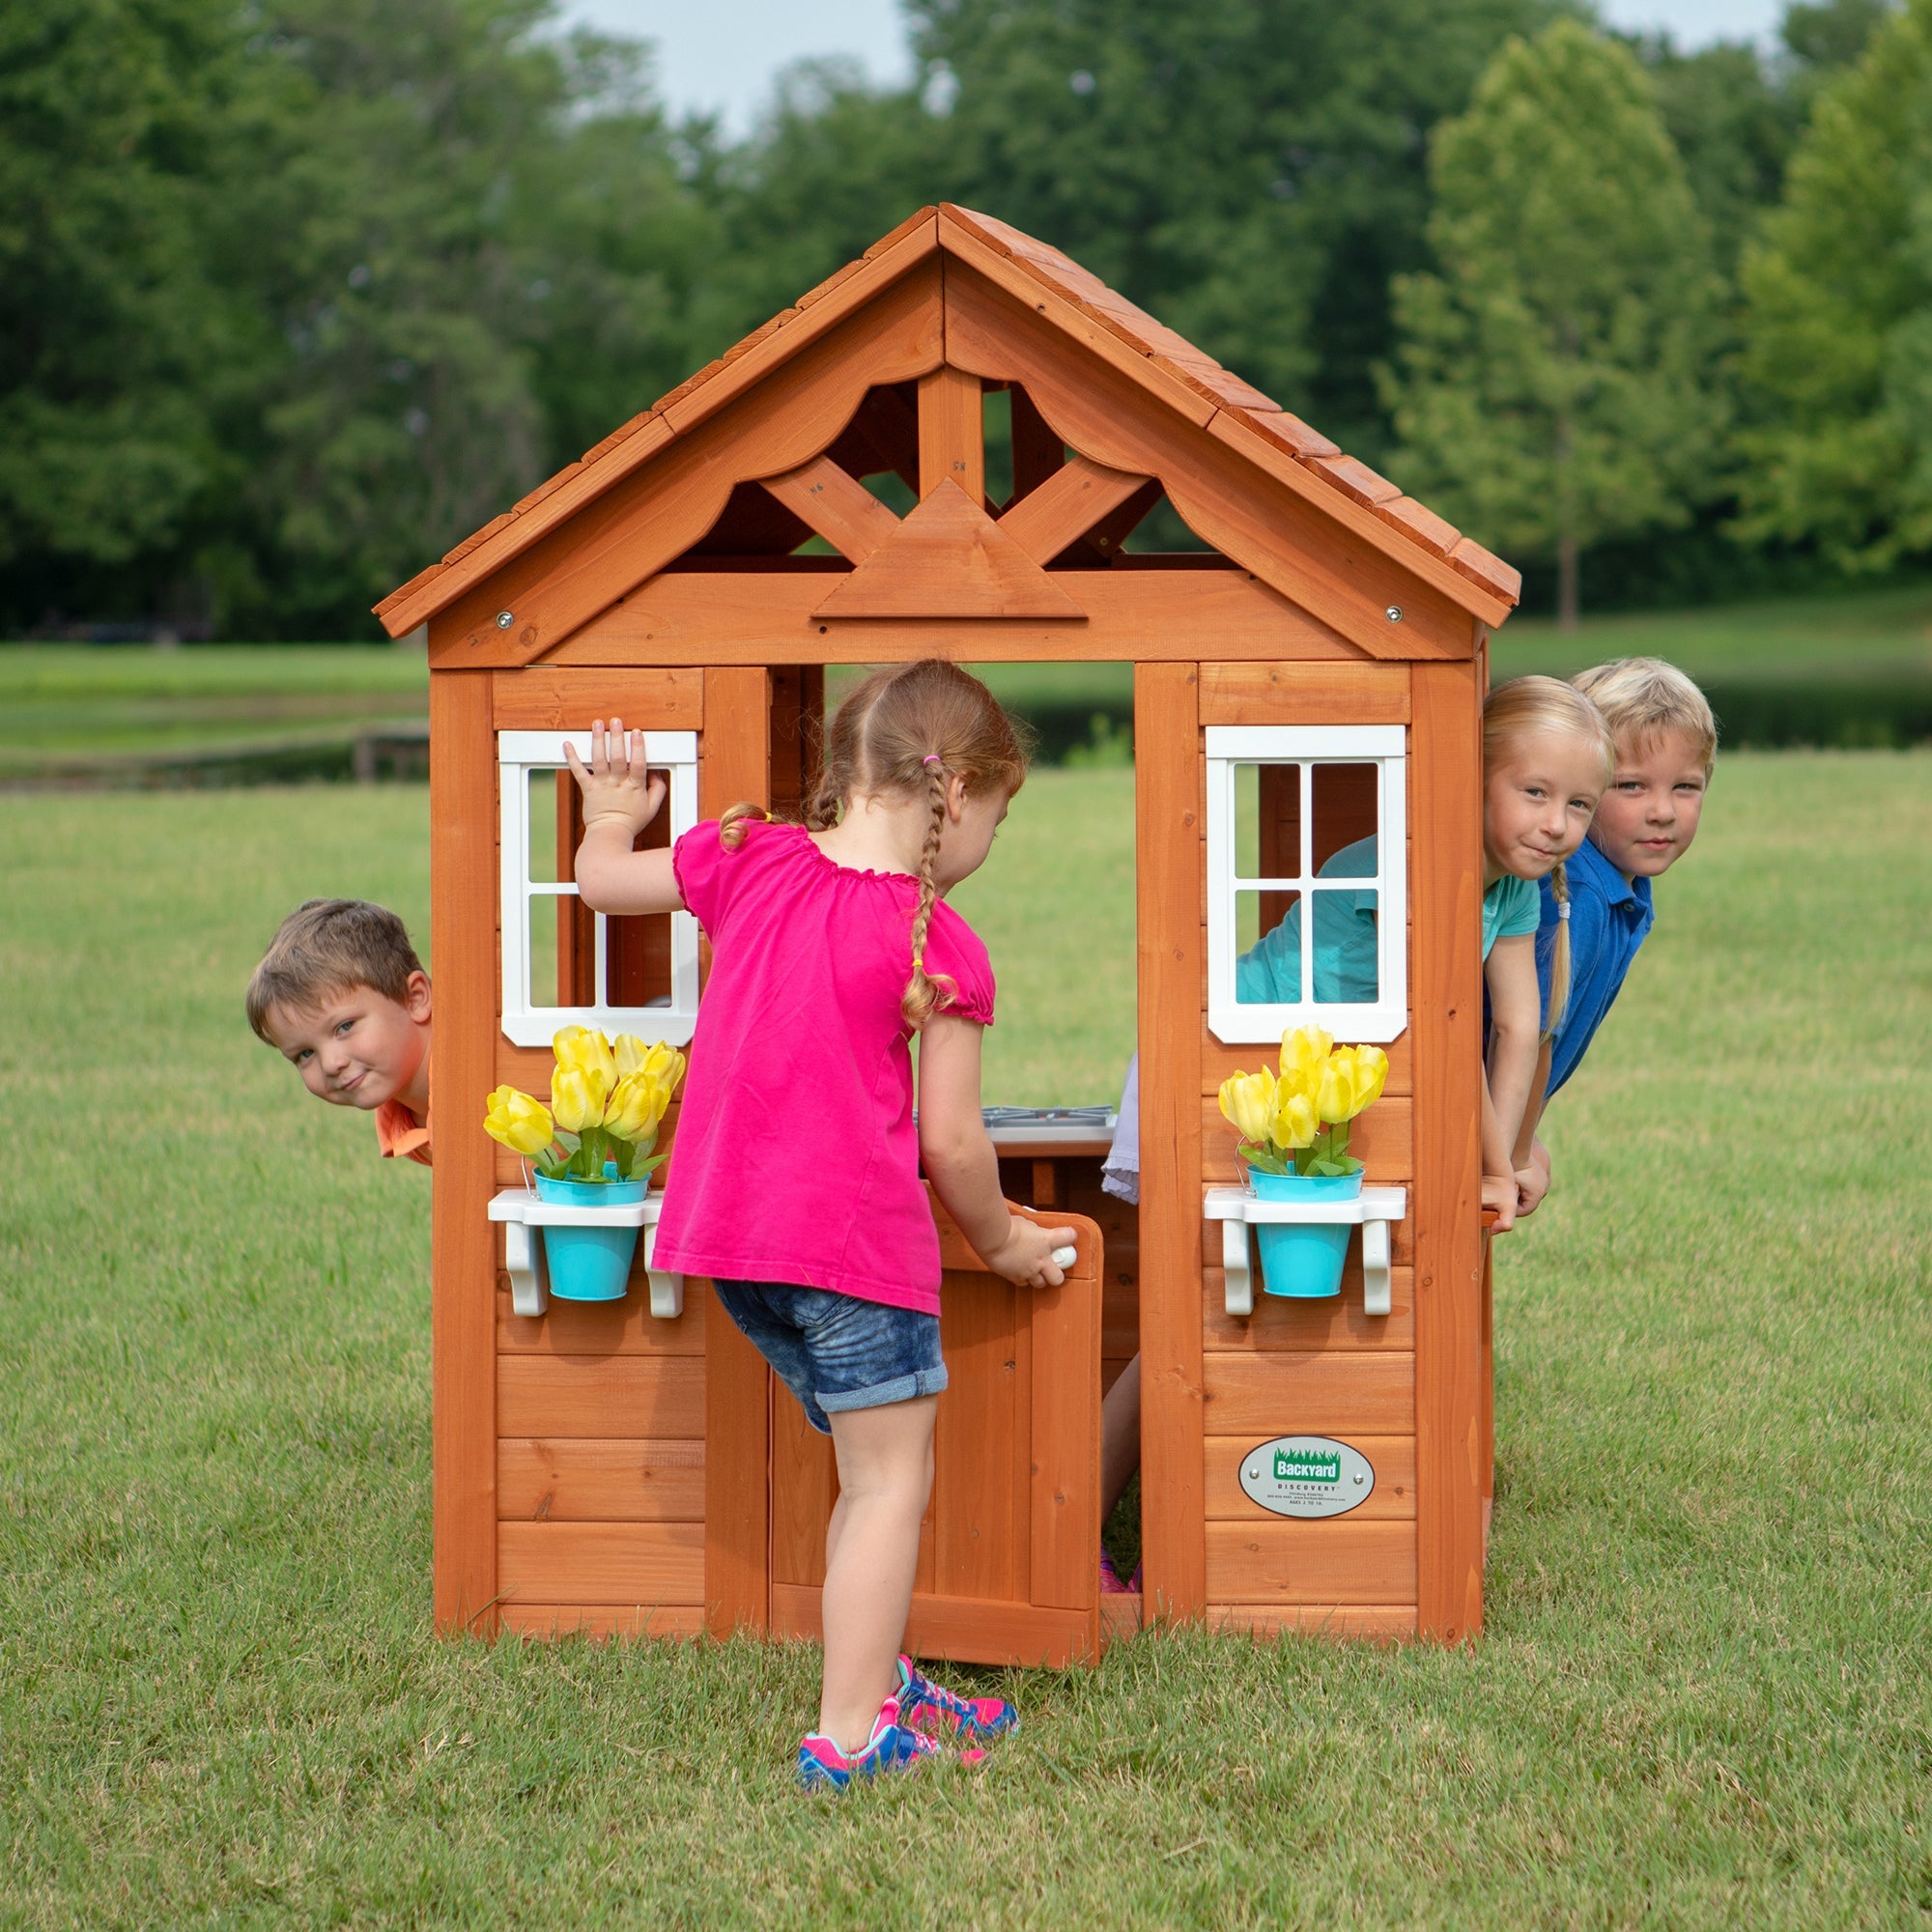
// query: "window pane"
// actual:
[[551, 918], [1268, 948], [1247, 821], [553, 825], [637, 955], [1347, 967], [1345, 820]]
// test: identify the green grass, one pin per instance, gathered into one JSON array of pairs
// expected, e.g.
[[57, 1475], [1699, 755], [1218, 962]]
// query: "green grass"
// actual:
[[1702, 1700], [1848, 636]]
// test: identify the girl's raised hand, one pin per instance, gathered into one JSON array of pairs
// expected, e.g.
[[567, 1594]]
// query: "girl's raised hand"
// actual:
[[617, 786]]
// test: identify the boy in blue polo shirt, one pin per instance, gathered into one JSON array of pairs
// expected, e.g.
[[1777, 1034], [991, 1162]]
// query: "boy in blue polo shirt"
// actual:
[[1666, 745]]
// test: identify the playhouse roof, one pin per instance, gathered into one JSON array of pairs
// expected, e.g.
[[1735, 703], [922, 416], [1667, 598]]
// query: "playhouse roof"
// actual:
[[1128, 338]]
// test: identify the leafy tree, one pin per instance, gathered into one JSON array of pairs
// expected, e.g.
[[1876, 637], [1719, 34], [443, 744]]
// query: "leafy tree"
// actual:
[[1838, 343], [1554, 382], [105, 319]]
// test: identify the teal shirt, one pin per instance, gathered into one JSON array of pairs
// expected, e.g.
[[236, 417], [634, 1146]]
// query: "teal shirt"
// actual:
[[1346, 967], [1511, 907]]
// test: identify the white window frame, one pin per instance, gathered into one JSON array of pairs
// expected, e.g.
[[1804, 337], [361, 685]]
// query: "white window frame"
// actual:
[[1306, 745], [518, 755]]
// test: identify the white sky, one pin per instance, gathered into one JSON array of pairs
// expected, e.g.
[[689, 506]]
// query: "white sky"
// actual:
[[727, 54]]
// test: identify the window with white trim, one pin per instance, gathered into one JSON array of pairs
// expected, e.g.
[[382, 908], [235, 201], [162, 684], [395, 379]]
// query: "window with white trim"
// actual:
[[564, 965], [1307, 881]]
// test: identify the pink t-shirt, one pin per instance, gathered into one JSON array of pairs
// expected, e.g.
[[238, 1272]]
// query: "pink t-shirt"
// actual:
[[794, 1158]]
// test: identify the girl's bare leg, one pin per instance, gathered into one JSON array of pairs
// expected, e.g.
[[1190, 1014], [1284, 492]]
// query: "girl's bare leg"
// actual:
[[871, 1551]]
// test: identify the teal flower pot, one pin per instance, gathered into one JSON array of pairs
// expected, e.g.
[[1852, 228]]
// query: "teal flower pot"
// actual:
[[589, 1263], [1304, 1262]]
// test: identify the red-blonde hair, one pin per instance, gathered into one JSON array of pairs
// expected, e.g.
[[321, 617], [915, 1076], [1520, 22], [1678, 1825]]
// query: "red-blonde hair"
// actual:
[[905, 734]]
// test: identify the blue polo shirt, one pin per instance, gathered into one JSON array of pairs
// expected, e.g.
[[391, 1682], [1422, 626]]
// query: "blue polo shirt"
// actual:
[[1609, 917]]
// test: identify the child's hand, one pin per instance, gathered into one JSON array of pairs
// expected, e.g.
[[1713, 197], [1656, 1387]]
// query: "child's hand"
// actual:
[[618, 789], [1500, 1193], [1026, 1255], [1532, 1181]]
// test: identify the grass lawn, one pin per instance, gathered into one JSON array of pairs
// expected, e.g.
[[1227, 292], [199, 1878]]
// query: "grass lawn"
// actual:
[[1702, 1701]]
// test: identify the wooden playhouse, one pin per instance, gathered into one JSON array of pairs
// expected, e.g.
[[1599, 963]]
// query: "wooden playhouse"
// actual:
[[1313, 677]]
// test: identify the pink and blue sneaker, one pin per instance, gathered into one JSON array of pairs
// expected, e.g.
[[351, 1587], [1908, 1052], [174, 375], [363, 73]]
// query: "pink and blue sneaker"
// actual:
[[893, 1746], [935, 1711]]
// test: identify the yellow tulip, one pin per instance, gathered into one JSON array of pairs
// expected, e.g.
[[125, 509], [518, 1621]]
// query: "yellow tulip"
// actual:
[[1297, 1120], [1335, 1090], [518, 1121], [1303, 1053], [586, 1048], [1371, 1065], [637, 1103], [1247, 1100], [577, 1102]]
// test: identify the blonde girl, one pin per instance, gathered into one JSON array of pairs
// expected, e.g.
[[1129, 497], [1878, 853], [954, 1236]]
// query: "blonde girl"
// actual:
[[1547, 757], [795, 1182]]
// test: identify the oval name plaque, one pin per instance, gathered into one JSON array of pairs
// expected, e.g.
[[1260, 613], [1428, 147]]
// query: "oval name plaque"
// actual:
[[1307, 1477]]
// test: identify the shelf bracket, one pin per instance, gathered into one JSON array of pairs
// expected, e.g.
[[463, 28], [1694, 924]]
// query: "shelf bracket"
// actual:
[[667, 1289], [1235, 1266], [1375, 1267], [524, 1259]]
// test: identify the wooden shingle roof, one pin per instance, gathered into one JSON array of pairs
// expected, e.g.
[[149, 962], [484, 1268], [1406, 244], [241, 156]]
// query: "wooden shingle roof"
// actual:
[[1276, 441]]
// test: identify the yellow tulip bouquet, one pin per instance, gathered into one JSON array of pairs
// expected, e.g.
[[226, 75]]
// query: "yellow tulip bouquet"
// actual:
[[607, 1102], [1298, 1121]]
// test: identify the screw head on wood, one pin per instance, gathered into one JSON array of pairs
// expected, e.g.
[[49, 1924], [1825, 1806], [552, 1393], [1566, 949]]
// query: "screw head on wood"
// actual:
[[1393, 614], [505, 618]]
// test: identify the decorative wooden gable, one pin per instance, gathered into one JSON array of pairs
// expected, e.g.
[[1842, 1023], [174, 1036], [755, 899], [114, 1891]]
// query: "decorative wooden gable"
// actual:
[[882, 371]]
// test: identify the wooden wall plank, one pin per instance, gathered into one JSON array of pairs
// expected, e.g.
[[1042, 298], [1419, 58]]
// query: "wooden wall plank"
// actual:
[[1382, 1139], [1299, 693], [734, 762], [952, 434], [462, 951], [1139, 616], [599, 1394], [573, 1479], [1370, 1391], [542, 697], [1339, 1561], [804, 1487], [1391, 1501], [1344, 1621], [602, 1562], [1283, 1322], [605, 1620], [1446, 1009], [1168, 817], [626, 1327]]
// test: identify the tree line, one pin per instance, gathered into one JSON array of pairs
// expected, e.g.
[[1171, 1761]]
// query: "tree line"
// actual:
[[294, 294]]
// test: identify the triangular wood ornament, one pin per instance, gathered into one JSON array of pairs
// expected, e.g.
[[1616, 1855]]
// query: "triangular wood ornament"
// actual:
[[948, 559]]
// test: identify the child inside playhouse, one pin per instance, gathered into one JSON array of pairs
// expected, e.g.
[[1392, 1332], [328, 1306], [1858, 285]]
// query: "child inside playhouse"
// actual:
[[794, 1180]]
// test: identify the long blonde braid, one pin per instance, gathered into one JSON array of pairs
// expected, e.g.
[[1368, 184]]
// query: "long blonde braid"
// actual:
[[927, 993]]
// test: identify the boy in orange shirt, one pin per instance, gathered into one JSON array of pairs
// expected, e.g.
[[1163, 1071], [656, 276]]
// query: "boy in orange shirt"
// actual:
[[342, 996]]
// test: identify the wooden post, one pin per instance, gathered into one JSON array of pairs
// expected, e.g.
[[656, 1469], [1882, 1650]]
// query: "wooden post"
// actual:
[[1446, 1010], [952, 434], [1169, 859], [734, 764], [462, 1299]]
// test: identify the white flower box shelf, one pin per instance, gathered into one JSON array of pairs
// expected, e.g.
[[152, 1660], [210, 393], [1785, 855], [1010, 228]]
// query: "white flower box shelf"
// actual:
[[1237, 1210], [521, 1211]]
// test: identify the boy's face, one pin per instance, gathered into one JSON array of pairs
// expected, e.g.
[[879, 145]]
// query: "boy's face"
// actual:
[[357, 1047], [1647, 819]]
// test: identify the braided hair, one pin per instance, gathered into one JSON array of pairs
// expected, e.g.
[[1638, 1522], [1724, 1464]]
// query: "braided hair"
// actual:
[[907, 731]]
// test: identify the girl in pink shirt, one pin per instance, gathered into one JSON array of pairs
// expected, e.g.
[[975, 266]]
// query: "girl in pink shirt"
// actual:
[[795, 1184]]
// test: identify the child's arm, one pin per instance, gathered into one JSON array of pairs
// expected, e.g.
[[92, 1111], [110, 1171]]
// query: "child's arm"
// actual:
[[1532, 1176], [962, 1166], [1516, 1012], [620, 798]]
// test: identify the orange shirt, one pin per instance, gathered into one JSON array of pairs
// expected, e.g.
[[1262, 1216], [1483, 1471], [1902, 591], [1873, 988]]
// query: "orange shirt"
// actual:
[[398, 1131]]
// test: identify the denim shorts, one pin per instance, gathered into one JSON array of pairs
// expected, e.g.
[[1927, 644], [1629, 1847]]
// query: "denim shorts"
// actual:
[[835, 1352]]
